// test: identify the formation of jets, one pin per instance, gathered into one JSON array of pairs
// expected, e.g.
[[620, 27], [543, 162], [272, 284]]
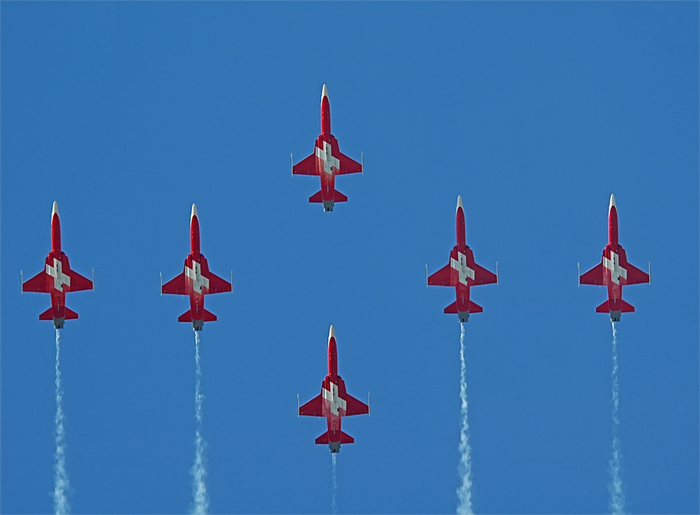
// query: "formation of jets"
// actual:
[[462, 272]]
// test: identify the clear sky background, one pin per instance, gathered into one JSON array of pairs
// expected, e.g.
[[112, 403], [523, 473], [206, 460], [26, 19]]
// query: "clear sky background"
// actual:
[[127, 112]]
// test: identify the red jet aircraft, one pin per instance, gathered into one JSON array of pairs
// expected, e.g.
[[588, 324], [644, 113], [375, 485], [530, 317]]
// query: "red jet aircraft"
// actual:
[[196, 281], [333, 402], [326, 161], [57, 278], [614, 271], [462, 272]]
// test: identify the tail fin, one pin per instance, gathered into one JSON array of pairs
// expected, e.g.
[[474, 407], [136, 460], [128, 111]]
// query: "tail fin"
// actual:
[[68, 314], [339, 197], [605, 307], [344, 438], [187, 316], [316, 198]]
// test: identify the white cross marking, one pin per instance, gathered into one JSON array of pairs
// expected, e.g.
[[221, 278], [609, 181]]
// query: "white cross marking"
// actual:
[[329, 162], [336, 402], [195, 273], [56, 271], [461, 266], [616, 271]]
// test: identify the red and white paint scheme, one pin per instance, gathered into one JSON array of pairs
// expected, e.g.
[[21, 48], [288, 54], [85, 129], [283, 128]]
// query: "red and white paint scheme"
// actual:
[[196, 281], [614, 271], [462, 272], [57, 278], [334, 402], [327, 161]]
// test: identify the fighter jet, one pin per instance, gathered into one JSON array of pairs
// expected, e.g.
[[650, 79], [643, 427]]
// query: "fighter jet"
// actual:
[[333, 402], [326, 161], [462, 272], [57, 278], [614, 271], [196, 281]]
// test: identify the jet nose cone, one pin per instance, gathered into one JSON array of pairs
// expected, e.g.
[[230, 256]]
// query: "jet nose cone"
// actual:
[[324, 93], [194, 212], [54, 210], [612, 202], [459, 202], [331, 333]]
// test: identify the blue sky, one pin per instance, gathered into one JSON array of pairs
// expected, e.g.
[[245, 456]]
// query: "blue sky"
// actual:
[[126, 113]]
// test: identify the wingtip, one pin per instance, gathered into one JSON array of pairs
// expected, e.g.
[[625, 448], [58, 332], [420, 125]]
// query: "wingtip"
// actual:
[[54, 209], [324, 92], [194, 211]]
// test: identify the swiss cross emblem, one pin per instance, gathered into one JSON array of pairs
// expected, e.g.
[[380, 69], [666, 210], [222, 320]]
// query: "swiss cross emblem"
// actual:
[[335, 402], [56, 271], [195, 273], [329, 162], [613, 264], [461, 266]]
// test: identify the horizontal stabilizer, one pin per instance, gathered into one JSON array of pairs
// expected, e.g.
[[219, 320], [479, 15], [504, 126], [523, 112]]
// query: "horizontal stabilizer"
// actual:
[[316, 198], [67, 314], [325, 439], [187, 316], [605, 307], [339, 197], [473, 308], [452, 308], [626, 307]]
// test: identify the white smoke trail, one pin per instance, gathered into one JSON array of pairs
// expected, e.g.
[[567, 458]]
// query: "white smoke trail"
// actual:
[[60, 489], [334, 505], [199, 470], [617, 496], [464, 491]]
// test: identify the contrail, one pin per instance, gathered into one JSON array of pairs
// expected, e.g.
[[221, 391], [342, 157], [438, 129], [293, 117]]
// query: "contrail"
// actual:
[[617, 496], [60, 489], [334, 505], [199, 470], [464, 491]]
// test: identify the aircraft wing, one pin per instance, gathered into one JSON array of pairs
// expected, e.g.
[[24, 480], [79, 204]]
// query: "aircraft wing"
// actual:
[[595, 275], [635, 275], [36, 283], [348, 165], [483, 276], [306, 166], [313, 408], [176, 286], [77, 281], [354, 406], [442, 277], [216, 283]]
